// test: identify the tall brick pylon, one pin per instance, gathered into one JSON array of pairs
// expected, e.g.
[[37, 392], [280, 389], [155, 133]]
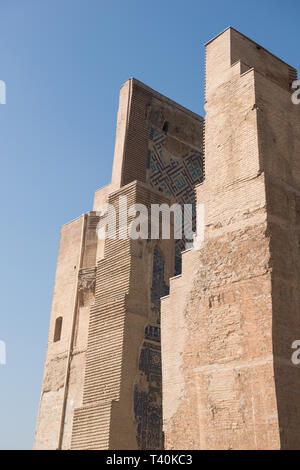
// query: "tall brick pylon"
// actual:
[[230, 319], [102, 381]]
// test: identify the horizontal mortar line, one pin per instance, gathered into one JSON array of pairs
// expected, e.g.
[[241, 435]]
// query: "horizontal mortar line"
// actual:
[[108, 383], [95, 366], [105, 340], [109, 311], [92, 385], [91, 447], [94, 374], [113, 276], [85, 421], [102, 329], [111, 355], [94, 363], [107, 354], [122, 268], [109, 378], [92, 382], [92, 438], [112, 279], [88, 398], [90, 443], [85, 415], [92, 420], [101, 318], [99, 413], [98, 343], [95, 446], [102, 325], [111, 283], [96, 440], [109, 344], [111, 308], [82, 425], [100, 314], [116, 305], [104, 321], [107, 297], [103, 404], [88, 436]]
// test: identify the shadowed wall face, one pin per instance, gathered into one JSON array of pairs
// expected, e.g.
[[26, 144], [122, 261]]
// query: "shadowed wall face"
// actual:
[[147, 390], [173, 167]]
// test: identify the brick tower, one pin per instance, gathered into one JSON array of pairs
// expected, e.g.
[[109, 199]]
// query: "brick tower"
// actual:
[[231, 317], [102, 382]]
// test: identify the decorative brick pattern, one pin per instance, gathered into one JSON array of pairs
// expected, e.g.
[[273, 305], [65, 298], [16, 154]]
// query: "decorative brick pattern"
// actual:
[[148, 395], [217, 337], [174, 176]]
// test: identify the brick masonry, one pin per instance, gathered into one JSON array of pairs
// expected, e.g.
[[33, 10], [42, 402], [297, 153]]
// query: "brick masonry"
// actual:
[[237, 385], [202, 360], [103, 379]]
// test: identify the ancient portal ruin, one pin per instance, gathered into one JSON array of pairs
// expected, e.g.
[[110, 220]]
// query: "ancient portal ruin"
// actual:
[[152, 345]]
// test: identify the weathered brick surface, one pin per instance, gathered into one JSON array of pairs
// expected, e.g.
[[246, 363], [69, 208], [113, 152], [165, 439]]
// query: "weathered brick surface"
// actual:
[[239, 317], [227, 348], [52, 396], [103, 379], [220, 355]]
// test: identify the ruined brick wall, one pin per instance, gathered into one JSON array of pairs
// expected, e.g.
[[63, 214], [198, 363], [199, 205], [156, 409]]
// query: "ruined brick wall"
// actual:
[[175, 161], [52, 395], [228, 321], [279, 127], [230, 383], [162, 145], [111, 383], [119, 316], [143, 114], [73, 295]]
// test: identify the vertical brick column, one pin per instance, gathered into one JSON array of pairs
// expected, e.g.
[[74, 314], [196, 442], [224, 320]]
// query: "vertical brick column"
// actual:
[[235, 387]]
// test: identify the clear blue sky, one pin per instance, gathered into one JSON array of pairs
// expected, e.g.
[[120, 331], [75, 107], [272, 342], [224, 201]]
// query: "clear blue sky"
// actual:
[[63, 62]]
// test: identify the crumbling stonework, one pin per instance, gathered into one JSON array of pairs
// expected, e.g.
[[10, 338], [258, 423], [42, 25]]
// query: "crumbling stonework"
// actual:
[[155, 346], [237, 385], [103, 379]]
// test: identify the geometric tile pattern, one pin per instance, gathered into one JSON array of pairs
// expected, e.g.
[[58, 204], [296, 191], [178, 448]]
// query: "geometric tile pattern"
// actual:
[[174, 176]]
